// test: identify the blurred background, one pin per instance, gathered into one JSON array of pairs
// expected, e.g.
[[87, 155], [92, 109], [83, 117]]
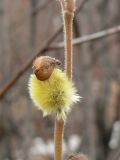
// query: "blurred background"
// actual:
[[32, 27]]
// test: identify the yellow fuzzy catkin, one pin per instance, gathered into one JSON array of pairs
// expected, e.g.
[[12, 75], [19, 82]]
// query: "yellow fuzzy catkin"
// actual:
[[54, 95]]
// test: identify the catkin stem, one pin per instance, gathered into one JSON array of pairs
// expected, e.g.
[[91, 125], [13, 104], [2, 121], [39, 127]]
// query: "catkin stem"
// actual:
[[58, 138], [67, 11]]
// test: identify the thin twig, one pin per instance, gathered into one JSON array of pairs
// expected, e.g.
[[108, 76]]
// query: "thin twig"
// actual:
[[91, 37], [68, 13], [25, 66], [59, 124], [68, 19]]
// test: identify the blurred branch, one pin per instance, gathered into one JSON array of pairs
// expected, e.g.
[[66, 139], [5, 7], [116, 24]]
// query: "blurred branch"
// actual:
[[44, 47], [28, 64], [91, 37]]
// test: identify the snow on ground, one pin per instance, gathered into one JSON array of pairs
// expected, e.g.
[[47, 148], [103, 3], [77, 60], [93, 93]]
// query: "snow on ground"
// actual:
[[40, 147]]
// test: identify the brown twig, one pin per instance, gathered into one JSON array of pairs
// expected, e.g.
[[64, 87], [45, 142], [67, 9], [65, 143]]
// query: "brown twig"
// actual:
[[68, 19], [24, 68]]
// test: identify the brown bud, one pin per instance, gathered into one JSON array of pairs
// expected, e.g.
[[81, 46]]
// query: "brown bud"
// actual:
[[43, 67]]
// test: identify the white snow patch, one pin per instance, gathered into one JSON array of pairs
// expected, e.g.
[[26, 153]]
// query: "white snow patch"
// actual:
[[44, 148], [74, 142], [40, 147]]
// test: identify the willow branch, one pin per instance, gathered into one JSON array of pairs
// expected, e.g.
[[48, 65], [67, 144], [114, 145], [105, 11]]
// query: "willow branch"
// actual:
[[68, 14]]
